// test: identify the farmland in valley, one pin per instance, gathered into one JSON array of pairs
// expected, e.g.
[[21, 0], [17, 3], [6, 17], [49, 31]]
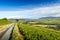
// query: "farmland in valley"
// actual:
[[24, 30]]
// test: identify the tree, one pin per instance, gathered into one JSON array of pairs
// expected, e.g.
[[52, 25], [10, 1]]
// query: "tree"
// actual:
[[4, 19], [17, 20]]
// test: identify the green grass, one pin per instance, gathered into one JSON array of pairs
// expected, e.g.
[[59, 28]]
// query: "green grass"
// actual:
[[16, 34], [2, 22], [39, 33]]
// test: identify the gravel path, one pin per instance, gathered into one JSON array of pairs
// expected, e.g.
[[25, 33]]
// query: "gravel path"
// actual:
[[6, 35]]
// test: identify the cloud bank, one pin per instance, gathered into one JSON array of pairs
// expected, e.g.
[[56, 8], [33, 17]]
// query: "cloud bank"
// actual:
[[51, 11]]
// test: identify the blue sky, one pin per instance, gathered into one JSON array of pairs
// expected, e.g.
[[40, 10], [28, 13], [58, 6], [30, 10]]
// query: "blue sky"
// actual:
[[29, 8]]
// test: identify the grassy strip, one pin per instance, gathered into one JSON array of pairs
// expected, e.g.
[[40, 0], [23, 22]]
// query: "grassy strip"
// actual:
[[16, 34], [37, 33]]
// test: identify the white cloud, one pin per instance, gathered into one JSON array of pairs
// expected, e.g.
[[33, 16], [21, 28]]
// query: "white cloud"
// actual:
[[34, 13], [44, 11], [47, 10]]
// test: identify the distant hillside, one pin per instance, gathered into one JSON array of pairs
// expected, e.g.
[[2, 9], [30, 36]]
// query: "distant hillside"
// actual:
[[46, 18]]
